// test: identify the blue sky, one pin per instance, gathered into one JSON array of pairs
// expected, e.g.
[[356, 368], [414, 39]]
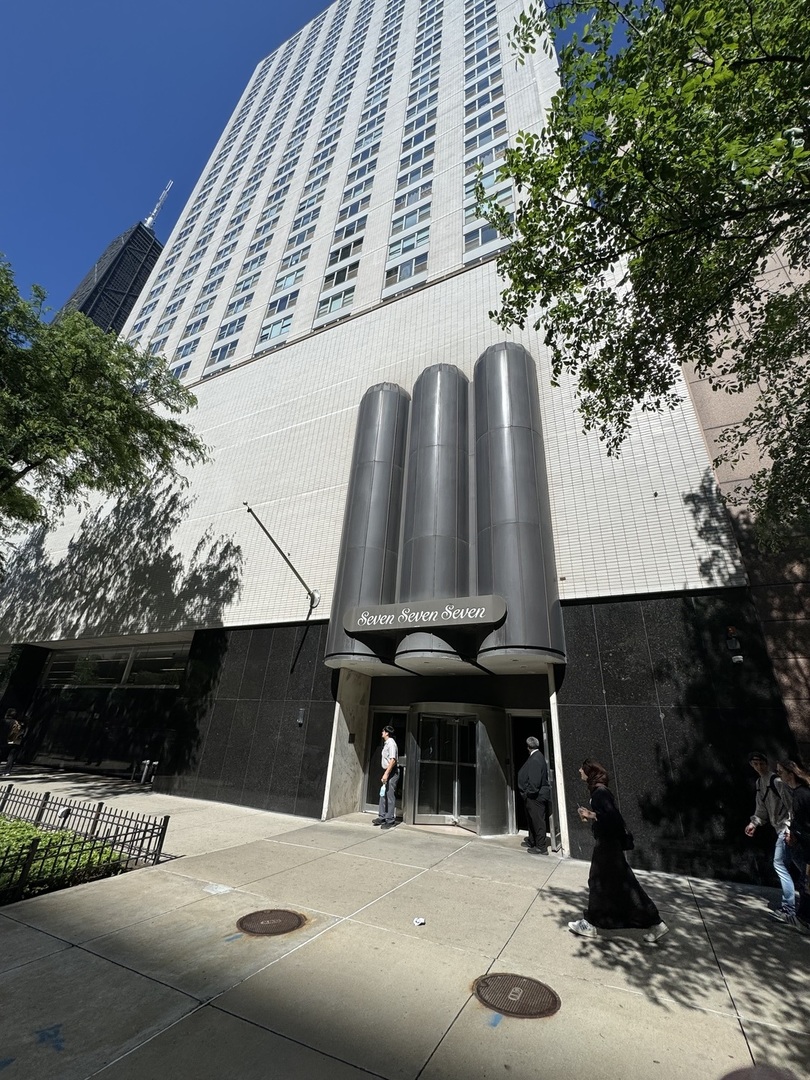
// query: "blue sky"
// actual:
[[103, 104]]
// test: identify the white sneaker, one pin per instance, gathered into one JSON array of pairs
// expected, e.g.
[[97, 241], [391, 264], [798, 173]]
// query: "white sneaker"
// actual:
[[656, 932], [583, 928]]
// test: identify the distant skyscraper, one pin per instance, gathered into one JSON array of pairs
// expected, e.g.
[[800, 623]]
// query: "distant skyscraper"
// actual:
[[108, 293]]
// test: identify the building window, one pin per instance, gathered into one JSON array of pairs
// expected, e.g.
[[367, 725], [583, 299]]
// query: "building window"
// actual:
[[254, 263], [335, 303], [224, 352], [165, 326], [175, 306], [354, 208], [276, 329], [239, 305], [409, 269], [294, 258], [345, 273], [407, 221], [283, 303], [229, 328], [297, 239], [217, 268], [203, 305], [479, 237], [211, 286], [288, 280], [409, 243], [180, 370], [245, 284], [187, 349], [194, 327]]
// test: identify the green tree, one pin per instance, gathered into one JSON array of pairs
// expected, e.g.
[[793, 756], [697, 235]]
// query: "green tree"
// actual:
[[80, 411], [670, 180]]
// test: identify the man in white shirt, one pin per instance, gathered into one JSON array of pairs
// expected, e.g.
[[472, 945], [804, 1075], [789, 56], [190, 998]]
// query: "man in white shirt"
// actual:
[[390, 778]]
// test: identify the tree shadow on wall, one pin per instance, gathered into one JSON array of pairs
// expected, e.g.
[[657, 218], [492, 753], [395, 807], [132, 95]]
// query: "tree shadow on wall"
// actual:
[[123, 572], [717, 711]]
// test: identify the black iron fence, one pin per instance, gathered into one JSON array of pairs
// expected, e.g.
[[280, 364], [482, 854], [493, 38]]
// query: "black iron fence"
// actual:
[[82, 841]]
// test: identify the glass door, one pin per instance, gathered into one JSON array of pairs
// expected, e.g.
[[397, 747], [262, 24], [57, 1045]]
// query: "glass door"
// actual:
[[447, 760]]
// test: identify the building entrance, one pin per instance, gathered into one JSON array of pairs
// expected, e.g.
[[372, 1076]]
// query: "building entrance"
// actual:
[[446, 780]]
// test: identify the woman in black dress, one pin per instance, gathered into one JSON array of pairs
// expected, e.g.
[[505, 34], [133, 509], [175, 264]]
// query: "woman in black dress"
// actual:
[[616, 901]]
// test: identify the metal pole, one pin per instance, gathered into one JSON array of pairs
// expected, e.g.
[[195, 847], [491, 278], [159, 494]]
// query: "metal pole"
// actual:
[[313, 594]]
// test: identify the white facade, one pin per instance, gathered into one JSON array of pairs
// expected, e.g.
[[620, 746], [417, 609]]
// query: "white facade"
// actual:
[[329, 245]]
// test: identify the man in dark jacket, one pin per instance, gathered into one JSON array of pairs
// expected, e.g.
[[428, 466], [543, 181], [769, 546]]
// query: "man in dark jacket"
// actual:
[[533, 785]]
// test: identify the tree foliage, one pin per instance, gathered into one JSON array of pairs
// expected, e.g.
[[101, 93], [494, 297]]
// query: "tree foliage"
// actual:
[[80, 411], [670, 181]]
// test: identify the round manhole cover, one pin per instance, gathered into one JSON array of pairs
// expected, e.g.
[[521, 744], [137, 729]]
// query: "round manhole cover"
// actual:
[[272, 921], [515, 995]]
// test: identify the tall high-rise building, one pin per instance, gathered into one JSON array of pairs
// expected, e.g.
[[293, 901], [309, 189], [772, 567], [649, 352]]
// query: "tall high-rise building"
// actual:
[[327, 292], [110, 289]]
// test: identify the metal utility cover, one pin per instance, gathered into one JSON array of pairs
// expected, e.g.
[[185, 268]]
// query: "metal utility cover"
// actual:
[[271, 921], [515, 995]]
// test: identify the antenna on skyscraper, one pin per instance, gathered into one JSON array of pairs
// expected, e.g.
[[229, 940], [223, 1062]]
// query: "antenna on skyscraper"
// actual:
[[150, 221]]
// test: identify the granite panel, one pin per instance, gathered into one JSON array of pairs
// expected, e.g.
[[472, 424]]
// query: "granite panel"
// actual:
[[583, 733], [287, 763], [311, 782], [306, 656], [214, 746], [262, 755], [740, 685], [677, 652], [320, 719], [261, 642], [622, 640], [322, 679], [277, 670], [709, 790], [237, 752], [582, 683], [642, 774], [234, 664]]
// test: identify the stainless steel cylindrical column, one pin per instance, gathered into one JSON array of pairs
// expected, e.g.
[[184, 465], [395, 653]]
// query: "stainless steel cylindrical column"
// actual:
[[435, 561], [514, 538], [369, 545]]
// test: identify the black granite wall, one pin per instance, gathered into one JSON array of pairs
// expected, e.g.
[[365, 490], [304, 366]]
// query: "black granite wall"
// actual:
[[651, 691], [237, 737]]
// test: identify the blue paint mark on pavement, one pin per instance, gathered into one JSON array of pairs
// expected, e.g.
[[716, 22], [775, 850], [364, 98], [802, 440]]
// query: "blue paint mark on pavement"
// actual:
[[6, 1061], [496, 1019], [234, 937], [51, 1036]]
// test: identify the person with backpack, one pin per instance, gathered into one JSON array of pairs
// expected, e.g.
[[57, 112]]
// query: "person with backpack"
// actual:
[[773, 808], [797, 781]]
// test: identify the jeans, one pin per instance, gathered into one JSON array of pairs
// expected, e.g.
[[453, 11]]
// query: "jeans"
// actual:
[[800, 861], [781, 864], [388, 799]]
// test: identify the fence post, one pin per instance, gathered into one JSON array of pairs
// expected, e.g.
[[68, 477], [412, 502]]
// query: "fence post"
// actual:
[[164, 825], [94, 819], [26, 869], [43, 802], [5, 796]]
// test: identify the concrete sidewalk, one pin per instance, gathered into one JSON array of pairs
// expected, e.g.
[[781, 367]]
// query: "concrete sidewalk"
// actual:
[[146, 975]]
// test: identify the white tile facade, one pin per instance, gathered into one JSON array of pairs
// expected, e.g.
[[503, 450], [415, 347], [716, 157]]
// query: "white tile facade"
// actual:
[[281, 423]]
